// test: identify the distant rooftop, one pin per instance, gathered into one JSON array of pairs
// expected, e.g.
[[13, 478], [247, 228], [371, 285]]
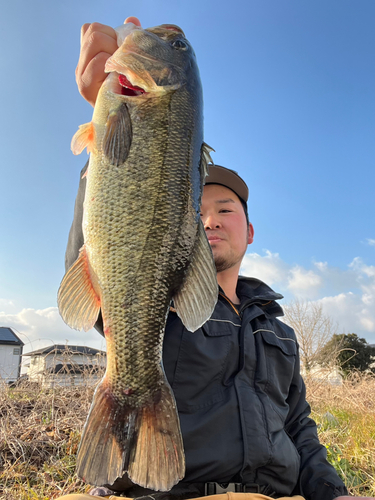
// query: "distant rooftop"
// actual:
[[7, 336], [63, 348]]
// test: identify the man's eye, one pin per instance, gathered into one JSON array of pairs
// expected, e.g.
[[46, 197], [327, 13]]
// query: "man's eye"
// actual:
[[225, 211]]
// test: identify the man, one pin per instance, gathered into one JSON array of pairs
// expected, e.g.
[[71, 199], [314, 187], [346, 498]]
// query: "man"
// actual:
[[240, 396]]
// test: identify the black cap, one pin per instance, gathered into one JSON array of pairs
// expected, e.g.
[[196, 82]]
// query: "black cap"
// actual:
[[228, 178]]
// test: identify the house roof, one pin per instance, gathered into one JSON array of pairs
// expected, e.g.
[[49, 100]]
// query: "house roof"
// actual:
[[7, 336], [68, 349]]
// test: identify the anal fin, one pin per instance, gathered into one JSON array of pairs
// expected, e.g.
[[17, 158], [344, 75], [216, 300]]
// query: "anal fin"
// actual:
[[197, 297], [78, 302]]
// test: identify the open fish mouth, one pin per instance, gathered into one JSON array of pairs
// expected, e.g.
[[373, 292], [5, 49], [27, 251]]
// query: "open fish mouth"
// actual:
[[119, 84], [128, 89]]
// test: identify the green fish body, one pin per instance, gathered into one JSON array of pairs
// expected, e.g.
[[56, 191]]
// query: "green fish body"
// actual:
[[144, 246]]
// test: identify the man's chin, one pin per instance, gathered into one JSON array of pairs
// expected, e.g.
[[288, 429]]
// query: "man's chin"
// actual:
[[222, 264], [226, 261]]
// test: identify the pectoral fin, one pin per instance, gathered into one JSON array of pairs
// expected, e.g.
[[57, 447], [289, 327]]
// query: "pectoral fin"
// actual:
[[118, 135], [83, 138], [197, 297], [78, 302]]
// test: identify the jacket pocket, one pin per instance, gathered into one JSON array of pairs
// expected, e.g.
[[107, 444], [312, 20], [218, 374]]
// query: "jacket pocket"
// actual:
[[202, 364], [277, 361]]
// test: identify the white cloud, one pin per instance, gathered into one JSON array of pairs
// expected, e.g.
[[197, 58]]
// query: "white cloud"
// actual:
[[303, 283], [321, 266], [371, 242], [368, 324], [347, 295], [269, 268], [6, 304], [353, 316], [41, 327]]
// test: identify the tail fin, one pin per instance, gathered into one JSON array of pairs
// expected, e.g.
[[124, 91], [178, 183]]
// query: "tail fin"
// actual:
[[158, 460], [145, 441]]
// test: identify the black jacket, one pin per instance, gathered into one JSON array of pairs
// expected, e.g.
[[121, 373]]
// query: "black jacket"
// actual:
[[241, 398], [240, 395]]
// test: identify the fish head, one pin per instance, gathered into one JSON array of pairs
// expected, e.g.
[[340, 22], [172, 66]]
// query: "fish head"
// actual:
[[151, 61]]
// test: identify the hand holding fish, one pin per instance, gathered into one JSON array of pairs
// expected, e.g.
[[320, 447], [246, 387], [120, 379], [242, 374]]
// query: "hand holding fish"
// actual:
[[98, 43]]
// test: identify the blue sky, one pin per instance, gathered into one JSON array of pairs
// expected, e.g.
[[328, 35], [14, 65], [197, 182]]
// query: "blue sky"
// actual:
[[289, 103]]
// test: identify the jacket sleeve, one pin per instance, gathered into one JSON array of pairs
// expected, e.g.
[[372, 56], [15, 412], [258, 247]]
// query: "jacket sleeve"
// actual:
[[75, 239], [318, 479]]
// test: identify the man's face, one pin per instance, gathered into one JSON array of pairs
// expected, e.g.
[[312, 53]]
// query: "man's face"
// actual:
[[225, 224]]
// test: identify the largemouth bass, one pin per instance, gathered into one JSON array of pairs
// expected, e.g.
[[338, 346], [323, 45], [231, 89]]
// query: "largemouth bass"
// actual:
[[144, 246]]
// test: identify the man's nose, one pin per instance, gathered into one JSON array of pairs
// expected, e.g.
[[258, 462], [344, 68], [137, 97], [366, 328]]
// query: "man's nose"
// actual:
[[211, 222]]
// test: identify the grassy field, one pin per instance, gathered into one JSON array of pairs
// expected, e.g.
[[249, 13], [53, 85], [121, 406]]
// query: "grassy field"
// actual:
[[346, 424], [40, 431]]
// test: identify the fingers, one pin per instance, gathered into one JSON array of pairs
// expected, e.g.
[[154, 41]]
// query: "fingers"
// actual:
[[84, 28], [98, 43], [133, 20]]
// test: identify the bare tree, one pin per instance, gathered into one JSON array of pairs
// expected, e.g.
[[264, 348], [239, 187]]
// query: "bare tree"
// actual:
[[312, 327]]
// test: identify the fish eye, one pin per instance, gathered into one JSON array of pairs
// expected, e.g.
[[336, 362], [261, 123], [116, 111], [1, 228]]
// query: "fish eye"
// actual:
[[179, 44]]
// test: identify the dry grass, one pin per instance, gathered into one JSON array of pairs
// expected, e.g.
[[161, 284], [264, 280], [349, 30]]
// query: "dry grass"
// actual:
[[39, 435], [40, 431], [345, 416]]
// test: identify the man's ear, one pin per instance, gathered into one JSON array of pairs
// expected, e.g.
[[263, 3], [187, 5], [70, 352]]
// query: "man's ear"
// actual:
[[251, 234]]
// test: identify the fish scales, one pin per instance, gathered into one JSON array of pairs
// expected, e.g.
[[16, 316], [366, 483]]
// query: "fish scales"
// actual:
[[143, 298], [143, 240]]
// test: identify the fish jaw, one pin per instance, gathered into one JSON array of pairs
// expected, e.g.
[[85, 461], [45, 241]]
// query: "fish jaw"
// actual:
[[123, 81], [155, 60], [121, 84], [122, 64], [124, 30]]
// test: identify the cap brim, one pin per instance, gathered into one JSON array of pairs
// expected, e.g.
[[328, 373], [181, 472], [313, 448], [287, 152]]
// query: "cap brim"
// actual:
[[228, 178]]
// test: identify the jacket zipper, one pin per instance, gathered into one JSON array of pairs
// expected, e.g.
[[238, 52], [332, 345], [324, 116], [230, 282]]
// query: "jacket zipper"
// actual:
[[231, 303], [239, 313]]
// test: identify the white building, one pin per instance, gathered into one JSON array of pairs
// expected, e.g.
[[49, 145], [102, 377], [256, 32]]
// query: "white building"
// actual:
[[10, 355], [372, 364], [66, 365], [325, 375]]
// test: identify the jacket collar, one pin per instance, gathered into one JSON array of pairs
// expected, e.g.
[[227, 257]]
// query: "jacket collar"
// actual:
[[253, 291]]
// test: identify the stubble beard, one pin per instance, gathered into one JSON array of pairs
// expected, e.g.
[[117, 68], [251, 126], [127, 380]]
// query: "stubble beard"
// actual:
[[224, 262], [229, 259]]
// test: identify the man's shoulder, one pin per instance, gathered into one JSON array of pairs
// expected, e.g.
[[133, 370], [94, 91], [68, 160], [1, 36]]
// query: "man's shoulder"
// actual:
[[284, 330], [253, 287]]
